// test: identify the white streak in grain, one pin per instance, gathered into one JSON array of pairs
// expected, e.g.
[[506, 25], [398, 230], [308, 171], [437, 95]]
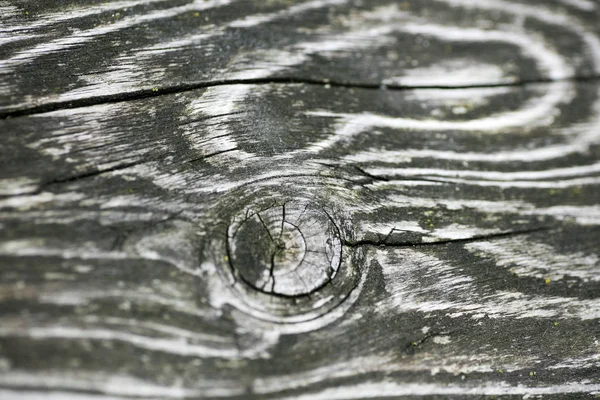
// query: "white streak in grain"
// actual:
[[520, 10], [534, 113], [584, 5], [489, 175], [16, 186], [549, 62], [171, 330], [180, 346], [581, 136], [582, 215], [6, 394], [427, 284], [71, 14], [538, 259], [259, 19], [36, 247], [562, 184], [373, 390], [457, 232], [136, 294], [452, 73], [117, 385], [580, 362], [80, 37], [472, 97]]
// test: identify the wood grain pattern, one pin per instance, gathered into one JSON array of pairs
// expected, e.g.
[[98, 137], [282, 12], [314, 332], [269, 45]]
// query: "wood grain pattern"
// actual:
[[313, 199], [52, 56]]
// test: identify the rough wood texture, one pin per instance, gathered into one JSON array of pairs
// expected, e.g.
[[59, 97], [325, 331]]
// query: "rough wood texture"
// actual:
[[325, 199]]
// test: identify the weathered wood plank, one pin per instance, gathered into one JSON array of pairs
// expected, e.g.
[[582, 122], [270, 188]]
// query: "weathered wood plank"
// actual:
[[259, 238], [52, 54], [103, 228]]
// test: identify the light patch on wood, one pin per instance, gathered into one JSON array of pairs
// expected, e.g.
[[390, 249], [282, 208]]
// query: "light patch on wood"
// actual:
[[117, 385], [538, 259], [450, 290]]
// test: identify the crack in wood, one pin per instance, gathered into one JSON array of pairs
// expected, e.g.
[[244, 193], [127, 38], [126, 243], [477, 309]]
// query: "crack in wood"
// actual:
[[90, 174], [472, 239], [377, 178], [412, 346], [216, 153], [57, 181], [283, 269], [371, 176], [182, 88], [386, 179]]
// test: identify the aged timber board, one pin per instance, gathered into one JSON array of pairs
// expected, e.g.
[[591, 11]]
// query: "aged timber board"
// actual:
[[320, 200], [54, 54]]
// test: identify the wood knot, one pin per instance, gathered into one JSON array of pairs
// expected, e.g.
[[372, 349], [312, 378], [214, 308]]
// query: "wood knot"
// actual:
[[285, 250], [285, 259]]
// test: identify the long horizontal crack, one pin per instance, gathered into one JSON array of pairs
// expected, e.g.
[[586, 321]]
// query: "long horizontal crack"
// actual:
[[386, 179], [374, 178], [119, 167], [91, 174], [73, 178], [471, 239], [181, 88]]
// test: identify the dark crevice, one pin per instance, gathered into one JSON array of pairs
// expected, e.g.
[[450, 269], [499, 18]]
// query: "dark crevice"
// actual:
[[446, 241], [271, 272], [377, 177], [282, 221], [414, 179], [386, 179], [90, 174], [385, 239], [412, 346], [368, 175], [265, 226], [193, 160], [186, 87]]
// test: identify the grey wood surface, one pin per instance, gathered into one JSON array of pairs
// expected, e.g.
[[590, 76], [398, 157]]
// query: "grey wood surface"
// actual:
[[325, 199]]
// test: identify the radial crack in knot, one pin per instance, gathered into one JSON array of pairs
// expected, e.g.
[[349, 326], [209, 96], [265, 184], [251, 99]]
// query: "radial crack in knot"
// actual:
[[294, 263]]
